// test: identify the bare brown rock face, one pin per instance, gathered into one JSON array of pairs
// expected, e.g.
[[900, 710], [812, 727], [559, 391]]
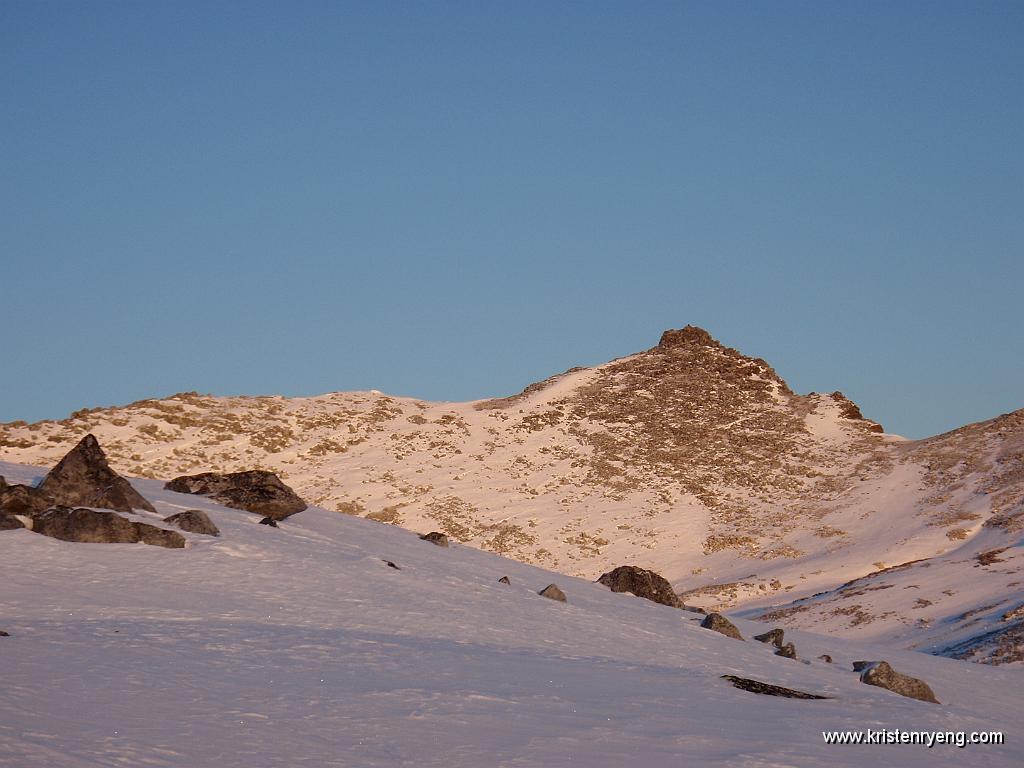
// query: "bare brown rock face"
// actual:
[[22, 500], [716, 622], [83, 478], [256, 491], [194, 521], [880, 674]]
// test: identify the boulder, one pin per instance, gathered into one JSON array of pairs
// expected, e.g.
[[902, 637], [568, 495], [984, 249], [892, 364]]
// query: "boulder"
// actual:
[[194, 521], [100, 527], [83, 478], [436, 537], [773, 636], [552, 592], [642, 583], [767, 689], [718, 623], [10, 523], [787, 651], [504, 580], [22, 500], [881, 674], [255, 490], [269, 521]]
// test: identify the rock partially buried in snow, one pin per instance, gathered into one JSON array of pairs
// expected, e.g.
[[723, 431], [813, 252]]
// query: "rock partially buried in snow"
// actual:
[[787, 651], [767, 689], [194, 521], [642, 583], [826, 658], [93, 526], [773, 636], [552, 592], [84, 478], [269, 521], [436, 537], [255, 490], [718, 623], [504, 580], [879, 673]]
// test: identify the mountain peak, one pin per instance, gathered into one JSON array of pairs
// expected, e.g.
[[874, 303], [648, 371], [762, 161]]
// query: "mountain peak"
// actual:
[[691, 335]]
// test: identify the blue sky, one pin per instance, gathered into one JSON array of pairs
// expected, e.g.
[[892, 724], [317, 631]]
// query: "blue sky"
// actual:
[[451, 200]]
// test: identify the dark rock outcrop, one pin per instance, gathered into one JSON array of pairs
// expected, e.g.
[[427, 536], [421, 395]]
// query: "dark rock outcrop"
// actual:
[[504, 580], [773, 636], [642, 583], [84, 478], [194, 521], [767, 689], [389, 564], [255, 490], [269, 521], [787, 651], [718, 623], [4, 634], [100, 527], [436, 537], [552, 592], [826, 658], [879, 673]]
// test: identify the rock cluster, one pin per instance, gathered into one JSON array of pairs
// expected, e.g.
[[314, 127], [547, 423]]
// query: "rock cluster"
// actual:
[[100, 527]]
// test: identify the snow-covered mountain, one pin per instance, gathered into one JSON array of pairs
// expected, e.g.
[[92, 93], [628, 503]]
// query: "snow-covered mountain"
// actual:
[[301, 646], [690, 458]]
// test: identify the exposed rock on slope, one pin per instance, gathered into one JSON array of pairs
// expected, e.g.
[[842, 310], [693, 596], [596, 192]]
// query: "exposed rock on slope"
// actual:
[[84, 477], [101, 527], [642, 583], [256, 491]]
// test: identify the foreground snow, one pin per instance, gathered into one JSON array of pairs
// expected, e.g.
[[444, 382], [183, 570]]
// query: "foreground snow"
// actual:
[[300, 647]]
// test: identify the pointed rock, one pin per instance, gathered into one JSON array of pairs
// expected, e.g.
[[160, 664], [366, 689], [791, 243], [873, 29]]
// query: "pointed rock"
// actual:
[[552, 592], [642, 583], [504, 580], [84, 478], [716, 622]]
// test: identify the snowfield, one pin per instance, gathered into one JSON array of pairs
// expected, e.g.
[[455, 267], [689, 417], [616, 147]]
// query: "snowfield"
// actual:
[[300, 646]]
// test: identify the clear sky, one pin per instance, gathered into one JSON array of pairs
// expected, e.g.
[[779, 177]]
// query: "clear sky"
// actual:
[[454, 199]]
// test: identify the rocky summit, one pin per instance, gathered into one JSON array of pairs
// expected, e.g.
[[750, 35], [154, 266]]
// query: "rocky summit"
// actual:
[[690, 459]]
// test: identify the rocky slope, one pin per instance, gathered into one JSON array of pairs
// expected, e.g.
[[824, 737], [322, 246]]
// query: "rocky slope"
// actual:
[[689, 458]]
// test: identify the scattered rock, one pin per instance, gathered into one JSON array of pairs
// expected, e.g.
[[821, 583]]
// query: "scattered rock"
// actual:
[[10, 523], [767, 689], [101, 527], [84, 478], [787, 651], [4, 634], [881, 674], [718, 623], [642, 583], [773, 636], [826, 658], [269, 521], [194, 521], [255, 490], [392, 565], [504, 580], [436, 537], [552, 592]]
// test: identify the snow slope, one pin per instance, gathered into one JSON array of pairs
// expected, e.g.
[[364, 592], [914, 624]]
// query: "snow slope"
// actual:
[[689, 458], [299, 646]]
